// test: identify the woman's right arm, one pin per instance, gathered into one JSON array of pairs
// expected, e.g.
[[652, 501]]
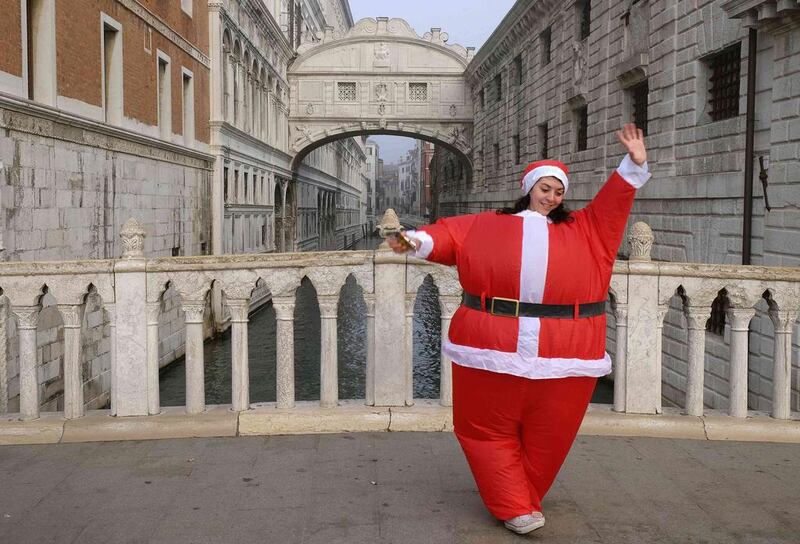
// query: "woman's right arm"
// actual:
[[439, 242]]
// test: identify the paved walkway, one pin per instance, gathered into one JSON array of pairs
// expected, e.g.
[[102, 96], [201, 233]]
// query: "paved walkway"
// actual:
[[389, 488]]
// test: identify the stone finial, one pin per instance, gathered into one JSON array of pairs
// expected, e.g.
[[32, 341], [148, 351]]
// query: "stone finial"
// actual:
[[389, 225], [640, 240], [132, 239]]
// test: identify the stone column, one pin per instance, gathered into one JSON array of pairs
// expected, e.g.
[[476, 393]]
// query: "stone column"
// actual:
[[284, 347], [408, 349], [696, 317], [328, 360], [781, 375], [27, 319], [240, 366], [390, 373], [739, 318], [3, 359], [643, 371], [129, 366], [621, 356], [218, 53], [72, 317], [195, 369], [369, 299], [449, 305], [153, 394], [111, 310], [229, 111]]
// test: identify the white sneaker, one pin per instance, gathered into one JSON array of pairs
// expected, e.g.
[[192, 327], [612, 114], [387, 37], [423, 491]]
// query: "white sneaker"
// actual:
[[525, 523]]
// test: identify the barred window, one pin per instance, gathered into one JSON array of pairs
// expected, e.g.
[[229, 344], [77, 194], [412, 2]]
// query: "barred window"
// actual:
[[639, 94], [515, 142], [584, 18], [543, 151], [347, 91], [582, 128], [482, 98], [518, 70], [545, 39], [496, 150], [723, 89], [498, 87], [418, 92]]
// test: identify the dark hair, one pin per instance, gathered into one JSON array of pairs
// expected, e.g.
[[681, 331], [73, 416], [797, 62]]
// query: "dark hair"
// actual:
[[561, 214]]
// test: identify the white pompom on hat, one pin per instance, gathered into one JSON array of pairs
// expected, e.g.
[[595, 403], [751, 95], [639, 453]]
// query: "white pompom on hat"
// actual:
[[541, 169]]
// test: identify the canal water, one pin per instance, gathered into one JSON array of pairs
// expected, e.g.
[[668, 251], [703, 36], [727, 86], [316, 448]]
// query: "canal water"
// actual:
[[352, 350]]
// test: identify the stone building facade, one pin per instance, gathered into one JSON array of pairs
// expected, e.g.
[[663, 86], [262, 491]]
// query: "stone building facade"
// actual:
[[557, 79]]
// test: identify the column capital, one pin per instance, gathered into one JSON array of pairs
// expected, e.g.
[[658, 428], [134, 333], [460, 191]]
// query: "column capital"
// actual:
[[696, 316], [739, 318], [239, 309], [27, 316], [328, 306], [449, 304], [71, 315], [621, 313], [193, 310], [783, 320], [284, 308], [153, 312]]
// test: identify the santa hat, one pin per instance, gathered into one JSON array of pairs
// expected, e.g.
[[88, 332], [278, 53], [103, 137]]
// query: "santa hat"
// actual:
[[540, 169]]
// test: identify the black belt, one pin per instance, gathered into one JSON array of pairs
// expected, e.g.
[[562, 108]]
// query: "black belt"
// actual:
[[510, 307]]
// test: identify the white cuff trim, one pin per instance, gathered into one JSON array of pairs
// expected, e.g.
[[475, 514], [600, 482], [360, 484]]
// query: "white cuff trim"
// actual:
[[425, 245], [634, 174]]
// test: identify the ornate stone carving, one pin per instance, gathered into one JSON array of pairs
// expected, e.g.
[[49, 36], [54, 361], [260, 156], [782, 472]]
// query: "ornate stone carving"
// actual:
[[310, 109], [381, 58], [579, 64], [239, 309], [389, 225], [453, 110], [27, 316], [193, 310], [382, 111], [71, 315], [132, 240], [640, 241], [381, 92]]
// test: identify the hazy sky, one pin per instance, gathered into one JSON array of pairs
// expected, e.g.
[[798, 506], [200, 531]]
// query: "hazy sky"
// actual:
[[468, 23]]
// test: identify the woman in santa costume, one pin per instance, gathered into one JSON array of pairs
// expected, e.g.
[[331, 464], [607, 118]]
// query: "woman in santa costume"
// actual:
[[528, 341]]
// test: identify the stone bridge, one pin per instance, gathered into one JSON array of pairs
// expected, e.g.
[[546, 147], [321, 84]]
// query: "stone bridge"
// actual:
[[381, 78]]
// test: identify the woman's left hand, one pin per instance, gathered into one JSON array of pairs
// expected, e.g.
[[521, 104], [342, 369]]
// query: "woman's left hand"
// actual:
[[633, 140]]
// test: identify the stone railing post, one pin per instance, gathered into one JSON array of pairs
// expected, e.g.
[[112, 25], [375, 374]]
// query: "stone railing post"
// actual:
[[240, 362], [783, 321], [72, 317], [621, 356], [195, 365], [3, 359], [369, 299], [328, 359], [643, 369], [696, 317], [449, 305], [739, 319], [408, 349], [129, 359], [390, 336], [153, 393], [284, 340], [27, 319]]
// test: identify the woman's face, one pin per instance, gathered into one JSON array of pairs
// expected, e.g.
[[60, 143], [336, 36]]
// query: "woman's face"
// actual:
[[546, 195]]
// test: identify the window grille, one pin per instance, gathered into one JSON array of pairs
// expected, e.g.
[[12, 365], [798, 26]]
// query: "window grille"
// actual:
[[640, 94], [584, 18], [482, 98], [496, 149], [518, 69], [543, 151], [347, 91], [723, 89], [418, 92], [545, 38], [515, 141], [582, 126], [498, 87]]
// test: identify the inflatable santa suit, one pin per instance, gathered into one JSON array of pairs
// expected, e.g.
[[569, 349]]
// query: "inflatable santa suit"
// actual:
[[528, 342]]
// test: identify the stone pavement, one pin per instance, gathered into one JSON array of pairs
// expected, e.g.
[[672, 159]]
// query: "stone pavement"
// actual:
[[389, 488]]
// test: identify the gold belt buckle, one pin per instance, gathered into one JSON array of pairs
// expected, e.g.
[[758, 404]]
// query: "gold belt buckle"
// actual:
[[516, 306]]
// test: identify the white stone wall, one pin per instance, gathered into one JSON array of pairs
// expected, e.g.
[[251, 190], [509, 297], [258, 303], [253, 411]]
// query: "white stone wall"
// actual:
[[694, 203]]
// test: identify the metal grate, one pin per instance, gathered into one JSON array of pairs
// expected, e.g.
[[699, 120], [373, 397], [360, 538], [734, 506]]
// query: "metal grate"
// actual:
[[418, 92], [585, 18], [582, 126], [640, 94], [515, 142], [543, 140], [346, 91], [498, 87], [545, 38], [518, 70], [725, 68]]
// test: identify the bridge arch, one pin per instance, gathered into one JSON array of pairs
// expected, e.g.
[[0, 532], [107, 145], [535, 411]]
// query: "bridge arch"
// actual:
[[381, 78]]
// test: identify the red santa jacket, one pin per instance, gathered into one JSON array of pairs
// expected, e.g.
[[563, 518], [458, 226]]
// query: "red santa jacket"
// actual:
[[529, 258]]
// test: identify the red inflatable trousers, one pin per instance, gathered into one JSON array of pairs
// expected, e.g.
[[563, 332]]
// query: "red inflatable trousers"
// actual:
[[516, 433]]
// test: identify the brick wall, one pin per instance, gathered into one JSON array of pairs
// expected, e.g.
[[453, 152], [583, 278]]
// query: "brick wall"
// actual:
[[11, 38]]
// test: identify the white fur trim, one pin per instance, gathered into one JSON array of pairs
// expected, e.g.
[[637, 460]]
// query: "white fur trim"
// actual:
[[536, 174], [631, 172], [517, 364], [533, 272], [425, 243]]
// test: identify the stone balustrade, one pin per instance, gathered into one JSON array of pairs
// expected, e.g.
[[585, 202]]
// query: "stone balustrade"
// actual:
[[131, 288]]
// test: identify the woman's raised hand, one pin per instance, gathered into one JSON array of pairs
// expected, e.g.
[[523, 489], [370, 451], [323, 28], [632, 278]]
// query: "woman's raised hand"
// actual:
[[633, 140], [396, 245]]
